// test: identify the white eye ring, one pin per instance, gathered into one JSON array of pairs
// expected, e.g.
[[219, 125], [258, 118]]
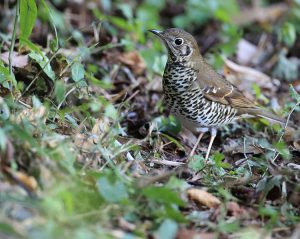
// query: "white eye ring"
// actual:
[[178, 41]]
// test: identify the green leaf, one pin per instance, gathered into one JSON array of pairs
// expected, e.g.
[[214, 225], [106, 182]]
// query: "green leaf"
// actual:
[[7, 229], [170, 124], [294, 93], [217, 158], [286, 68], [196, 163], [167, 230], [59, 91], [77, 71], [48, 13], [163, 195], [44, 63], [282, 149], [3, 139], [229, 227], [30, 45], [4, 110], [28, 13], [4, 75], [287, 34], [110, 111], [112, 191]]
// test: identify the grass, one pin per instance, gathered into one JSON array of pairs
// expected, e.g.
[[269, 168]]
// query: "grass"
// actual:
[[87, 150]]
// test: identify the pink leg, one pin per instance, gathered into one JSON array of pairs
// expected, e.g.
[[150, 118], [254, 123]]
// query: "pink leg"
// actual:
[[197, 143], [213, 133]]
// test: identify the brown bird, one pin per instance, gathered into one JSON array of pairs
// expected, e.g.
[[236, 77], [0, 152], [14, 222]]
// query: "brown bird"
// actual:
[[196, 94]]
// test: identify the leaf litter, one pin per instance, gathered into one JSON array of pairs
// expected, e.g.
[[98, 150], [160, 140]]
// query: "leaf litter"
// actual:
[[108, 153]]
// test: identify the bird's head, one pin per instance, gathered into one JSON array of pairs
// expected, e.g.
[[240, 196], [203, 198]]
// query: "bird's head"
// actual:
[[181, 45]]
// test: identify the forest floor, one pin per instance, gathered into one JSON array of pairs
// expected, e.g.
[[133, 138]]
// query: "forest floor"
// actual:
[[88, 149]]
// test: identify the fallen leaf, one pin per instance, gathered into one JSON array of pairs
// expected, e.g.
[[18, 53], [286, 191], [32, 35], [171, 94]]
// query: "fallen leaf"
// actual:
[[260, 14], [17, 60], [234, 146], [297, 144], [32, 114], [184, 233], [202, 197], [244, 76], [245, 51], [134, 61], [125, 225], [28, 182], [234, 209]]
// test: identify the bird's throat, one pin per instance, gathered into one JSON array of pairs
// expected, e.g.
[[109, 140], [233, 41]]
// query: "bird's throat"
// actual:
[[178, 77]]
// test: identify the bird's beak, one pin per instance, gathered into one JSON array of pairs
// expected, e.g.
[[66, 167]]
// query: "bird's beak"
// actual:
[[156, 32]]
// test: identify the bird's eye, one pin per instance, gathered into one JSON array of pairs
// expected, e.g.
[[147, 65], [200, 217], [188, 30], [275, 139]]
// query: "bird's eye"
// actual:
[[178, 41]]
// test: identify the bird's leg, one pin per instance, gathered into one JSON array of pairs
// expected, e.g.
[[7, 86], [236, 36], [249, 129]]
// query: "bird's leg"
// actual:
[[213, 133], [197, 143]]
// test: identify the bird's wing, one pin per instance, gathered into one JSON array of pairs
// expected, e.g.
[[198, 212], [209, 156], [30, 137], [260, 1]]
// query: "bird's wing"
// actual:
[[227, 96], [222, 91]]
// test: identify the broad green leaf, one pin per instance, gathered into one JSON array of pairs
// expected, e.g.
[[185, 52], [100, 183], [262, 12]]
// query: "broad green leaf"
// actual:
[[30, 45], [167, 230], [218, 159], [50, 16], [287, 34], [43, 61], [4, 75], [286, 68], [4, 110], [112, 191], [196, 163], [282, 149], [77, 71], [59, 91], [28, 13], [36, 102], [110, 111], [229, 227], [8, 230], [294, 94], [163, 195], [3, 139]]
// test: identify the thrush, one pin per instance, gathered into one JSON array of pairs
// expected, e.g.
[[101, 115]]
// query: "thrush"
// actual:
[[201, 98]]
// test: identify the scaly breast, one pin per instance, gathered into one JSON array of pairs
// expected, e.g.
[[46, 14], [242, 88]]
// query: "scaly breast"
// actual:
[[188, 103]]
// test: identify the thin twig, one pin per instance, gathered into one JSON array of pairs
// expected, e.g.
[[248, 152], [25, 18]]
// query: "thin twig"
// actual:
[[12, 45], [285, 126], [66, 95]]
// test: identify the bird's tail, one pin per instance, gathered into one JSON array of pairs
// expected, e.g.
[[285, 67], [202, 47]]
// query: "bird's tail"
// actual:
[[265, 114]]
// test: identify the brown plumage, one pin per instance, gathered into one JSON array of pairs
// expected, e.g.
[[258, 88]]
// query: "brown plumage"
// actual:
[[196, 94]]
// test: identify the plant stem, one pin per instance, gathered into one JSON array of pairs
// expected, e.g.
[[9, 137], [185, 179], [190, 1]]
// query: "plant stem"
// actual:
[[12, 45]]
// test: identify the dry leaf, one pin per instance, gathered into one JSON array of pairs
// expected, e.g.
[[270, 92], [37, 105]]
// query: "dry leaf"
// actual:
[[28, 182], [203, 198], [84, 142], [234, 209], [125, 225], [260, 14], [17, 60], [244, 76], [245, 51], [134, 61], [184, 233], [32, 114], [234, 146], [297, 144]]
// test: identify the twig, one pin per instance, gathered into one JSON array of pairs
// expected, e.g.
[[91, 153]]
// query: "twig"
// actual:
[[285, 126], [12, 45], [66, 95], [48, 62], [38, 74]]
